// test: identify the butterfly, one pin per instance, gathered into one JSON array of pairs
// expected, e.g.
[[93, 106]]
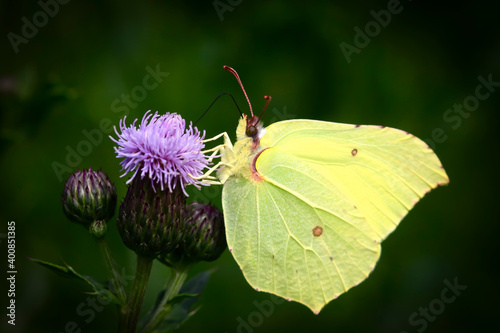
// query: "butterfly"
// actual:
[[307, 203]]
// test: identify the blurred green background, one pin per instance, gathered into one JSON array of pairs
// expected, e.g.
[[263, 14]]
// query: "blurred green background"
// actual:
[[76, 69]]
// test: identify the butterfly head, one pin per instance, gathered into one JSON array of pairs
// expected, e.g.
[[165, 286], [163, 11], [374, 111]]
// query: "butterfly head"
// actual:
[[253, 126], [250, 127]]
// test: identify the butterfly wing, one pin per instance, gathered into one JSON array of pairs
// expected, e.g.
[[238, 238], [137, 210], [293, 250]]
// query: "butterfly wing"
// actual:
[[311, 228], [382, 171], [271, 228]]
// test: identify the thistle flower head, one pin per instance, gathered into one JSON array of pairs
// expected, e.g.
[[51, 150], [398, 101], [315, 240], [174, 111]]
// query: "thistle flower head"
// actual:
[[202, 235], [149, 221], [205, 236], [163, 149]]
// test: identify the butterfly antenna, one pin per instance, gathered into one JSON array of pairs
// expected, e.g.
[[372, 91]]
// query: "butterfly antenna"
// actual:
[[268, 100], [215, 100], [229, 69]]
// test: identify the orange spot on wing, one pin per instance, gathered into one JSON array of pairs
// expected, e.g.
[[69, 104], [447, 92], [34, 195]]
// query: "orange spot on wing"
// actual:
[[256, 176], [317, 231]]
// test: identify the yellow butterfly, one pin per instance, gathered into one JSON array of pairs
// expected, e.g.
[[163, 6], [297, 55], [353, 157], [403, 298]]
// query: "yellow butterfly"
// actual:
[[307, 203]]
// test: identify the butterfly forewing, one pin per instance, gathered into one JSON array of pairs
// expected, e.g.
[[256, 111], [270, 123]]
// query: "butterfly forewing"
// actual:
[[381, 170]]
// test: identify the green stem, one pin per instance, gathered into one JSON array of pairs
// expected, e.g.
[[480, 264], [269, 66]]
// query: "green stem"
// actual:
[[112, 269], [130, 313], [173, 285]]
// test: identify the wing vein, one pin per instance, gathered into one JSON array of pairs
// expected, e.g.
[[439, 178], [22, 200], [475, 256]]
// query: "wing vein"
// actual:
[[310, 204], [258, 233]]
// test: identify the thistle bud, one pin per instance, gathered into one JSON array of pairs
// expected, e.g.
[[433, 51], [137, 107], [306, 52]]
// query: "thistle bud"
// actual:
[[149, 219], [89, 196], [203, 235], [98, 229]]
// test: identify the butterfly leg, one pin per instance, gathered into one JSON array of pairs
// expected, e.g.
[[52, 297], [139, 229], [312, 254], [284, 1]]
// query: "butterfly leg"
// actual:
[[207, 178], [211, 182], [227, 140], [217, 151], [219, 148]]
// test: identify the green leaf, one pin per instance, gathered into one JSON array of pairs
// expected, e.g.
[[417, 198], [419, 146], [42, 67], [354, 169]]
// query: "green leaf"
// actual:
[[175, 318], [67, 271], [180, 311], [180, 305], [180, 297], [194, 287]]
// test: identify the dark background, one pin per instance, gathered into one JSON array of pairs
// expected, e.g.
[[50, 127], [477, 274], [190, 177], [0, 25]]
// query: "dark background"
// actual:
[[65, 79]]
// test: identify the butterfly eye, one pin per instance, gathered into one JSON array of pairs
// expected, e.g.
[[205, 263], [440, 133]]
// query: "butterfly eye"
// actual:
[[251, 131]]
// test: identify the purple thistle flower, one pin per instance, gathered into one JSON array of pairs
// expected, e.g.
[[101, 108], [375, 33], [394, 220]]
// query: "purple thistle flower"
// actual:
[[163, 149]]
